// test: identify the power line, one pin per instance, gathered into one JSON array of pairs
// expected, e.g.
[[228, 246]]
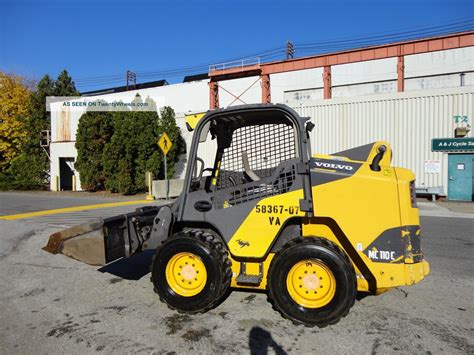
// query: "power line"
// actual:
[[466, 22], [292, 49], [364, 43], [205, 66]]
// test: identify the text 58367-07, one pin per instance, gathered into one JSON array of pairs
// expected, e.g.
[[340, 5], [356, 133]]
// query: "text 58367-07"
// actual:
[[277, 209]]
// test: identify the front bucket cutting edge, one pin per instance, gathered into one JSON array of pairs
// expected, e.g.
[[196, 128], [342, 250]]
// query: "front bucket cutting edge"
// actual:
[[84, 242]]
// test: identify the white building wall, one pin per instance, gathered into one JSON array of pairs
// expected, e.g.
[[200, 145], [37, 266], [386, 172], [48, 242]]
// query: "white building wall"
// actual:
[[408, 121], [361, 72], [239, 91], [362, 78], [62, 150], [304, 84], [438, 81], [439, 69], [302, 95], [422, 71], [376, 79], [441, 62], [64, 122], [184, 97], [380, 87]]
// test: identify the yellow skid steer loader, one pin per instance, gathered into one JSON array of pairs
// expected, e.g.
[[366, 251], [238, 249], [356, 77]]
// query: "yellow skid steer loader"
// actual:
[[257, 211]]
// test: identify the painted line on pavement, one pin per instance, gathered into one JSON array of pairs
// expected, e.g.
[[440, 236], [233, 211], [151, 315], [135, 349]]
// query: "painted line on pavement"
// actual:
[[71, 209]]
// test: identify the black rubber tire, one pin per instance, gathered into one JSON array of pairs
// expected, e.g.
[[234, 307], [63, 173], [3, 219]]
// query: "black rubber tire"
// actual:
[[215, 259], [335, 259]]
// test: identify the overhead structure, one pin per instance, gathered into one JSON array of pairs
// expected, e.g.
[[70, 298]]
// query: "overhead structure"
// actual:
[[393, 50]]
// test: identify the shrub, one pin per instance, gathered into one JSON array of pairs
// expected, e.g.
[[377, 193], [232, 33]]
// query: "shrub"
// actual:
[[116, 149], [25, 173], [93, 134]]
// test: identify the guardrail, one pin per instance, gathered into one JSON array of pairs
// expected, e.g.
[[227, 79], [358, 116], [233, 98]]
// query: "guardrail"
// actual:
[[235, 64]]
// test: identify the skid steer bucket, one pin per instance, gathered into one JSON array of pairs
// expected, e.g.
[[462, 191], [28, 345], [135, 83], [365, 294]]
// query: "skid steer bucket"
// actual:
[[102, 241]]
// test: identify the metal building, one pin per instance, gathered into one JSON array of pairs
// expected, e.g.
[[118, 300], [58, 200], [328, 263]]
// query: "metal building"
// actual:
[[416, 94], [410, 122]]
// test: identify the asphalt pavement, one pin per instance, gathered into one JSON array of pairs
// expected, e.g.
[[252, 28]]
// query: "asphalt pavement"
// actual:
[[22, 202], [53, 304], [12, 232]]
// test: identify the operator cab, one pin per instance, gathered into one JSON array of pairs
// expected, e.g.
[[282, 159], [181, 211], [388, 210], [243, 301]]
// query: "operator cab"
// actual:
[[245, 149], [240, 157]]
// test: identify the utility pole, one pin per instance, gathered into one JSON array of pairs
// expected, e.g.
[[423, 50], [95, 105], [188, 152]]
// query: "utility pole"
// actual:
[[290, 52], [131, 78]]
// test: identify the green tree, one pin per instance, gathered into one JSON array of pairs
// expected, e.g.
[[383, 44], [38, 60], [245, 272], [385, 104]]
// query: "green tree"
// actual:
[[93, 134], [64, 85], [131, 150], [14, 101], [168, 125], [116, 149], [38, 119], [22, 174]]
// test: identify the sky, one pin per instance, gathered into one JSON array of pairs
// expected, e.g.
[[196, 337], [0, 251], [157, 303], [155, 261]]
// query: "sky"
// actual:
[[98, 41]]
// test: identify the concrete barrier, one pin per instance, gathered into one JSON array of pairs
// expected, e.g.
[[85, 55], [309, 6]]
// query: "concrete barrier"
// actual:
[[175, 188]]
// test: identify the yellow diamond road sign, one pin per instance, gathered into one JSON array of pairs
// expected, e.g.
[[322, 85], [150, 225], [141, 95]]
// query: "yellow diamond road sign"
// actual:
[[165, 143]]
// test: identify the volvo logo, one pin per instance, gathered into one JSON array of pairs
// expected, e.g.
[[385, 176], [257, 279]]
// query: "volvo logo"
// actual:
[[320, 164]]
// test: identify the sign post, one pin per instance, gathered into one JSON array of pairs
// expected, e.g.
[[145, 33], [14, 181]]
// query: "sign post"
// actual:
[[149, 181], [165, 145]]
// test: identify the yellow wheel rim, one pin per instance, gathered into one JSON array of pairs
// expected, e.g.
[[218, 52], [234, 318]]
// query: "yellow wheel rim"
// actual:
[[186, 274], [311, 284]]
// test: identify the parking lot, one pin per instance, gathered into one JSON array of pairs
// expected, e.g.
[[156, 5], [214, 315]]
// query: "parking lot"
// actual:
[[53, 304]]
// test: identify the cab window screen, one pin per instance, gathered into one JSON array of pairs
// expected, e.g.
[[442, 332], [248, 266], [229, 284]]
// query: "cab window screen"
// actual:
[[265, 146]]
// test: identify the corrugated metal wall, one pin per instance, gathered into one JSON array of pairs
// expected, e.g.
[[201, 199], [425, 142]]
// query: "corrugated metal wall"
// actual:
[[408, 121]]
